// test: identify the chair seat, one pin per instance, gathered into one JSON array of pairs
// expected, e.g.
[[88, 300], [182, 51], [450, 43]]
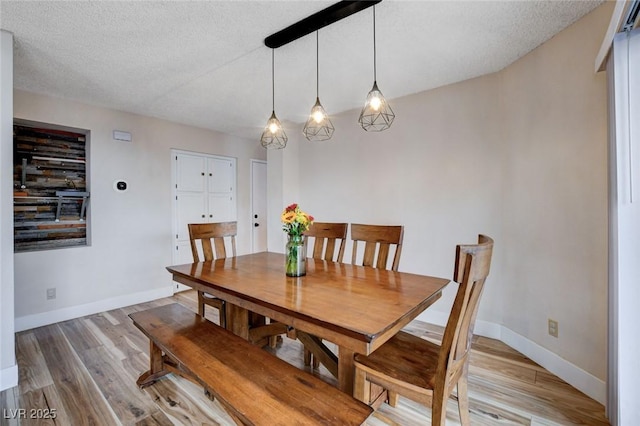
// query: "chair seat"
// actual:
[[404, 357], [208, 296], [211, 300]]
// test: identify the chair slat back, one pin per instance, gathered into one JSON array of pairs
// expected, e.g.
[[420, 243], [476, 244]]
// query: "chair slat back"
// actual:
[[325, 237], [212, 237], [471, 270], [380, 237]]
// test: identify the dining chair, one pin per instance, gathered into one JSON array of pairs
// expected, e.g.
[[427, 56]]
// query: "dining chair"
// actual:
[[325, 237], [424, 371], [212, 240], [380, 237]]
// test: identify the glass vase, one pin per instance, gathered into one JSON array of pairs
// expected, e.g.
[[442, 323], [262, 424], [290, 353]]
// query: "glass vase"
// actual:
[[295, 256]]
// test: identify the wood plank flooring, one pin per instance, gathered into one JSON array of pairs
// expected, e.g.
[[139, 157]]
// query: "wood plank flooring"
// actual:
[[85, 369]]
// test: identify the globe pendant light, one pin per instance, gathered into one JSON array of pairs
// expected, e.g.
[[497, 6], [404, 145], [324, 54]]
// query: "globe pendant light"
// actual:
[[318, 127], [273, 136], [376, 115]]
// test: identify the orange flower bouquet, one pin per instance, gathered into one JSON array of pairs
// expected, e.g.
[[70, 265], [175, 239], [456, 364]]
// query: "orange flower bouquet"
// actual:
[[294, 223]]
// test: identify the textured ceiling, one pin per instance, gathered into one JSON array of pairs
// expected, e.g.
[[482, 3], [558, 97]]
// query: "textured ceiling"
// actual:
[[203, 63]]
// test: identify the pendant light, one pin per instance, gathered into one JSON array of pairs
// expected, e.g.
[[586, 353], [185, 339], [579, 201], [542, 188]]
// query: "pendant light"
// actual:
[[376, 115], [318, 127], [273, 136]]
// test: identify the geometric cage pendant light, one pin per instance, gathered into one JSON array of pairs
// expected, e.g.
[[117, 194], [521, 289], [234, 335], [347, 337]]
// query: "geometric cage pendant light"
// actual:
[[318, 126], [376, 115], [273, 136]]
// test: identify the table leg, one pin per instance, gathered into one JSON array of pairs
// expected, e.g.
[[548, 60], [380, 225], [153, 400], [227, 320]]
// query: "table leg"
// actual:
[[251, 326], [238, 320], [346, 370]]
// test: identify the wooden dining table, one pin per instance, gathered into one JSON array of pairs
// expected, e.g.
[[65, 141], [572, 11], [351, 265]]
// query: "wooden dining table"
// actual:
[[357, 308]]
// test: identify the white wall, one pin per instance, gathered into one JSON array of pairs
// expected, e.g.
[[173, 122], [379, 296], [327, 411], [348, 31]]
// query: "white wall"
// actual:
[[274, 200], [434, 171], [282, 180], [519, 155], [131, 239], [8, 367], [555, 194]]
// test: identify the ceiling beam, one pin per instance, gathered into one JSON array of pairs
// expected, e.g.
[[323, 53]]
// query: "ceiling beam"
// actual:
[[316, 21]]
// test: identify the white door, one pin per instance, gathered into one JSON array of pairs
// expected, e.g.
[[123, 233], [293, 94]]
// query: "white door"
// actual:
[[190, 202], [191, 207], [259, 205], [190, 173], [204, 191], [221, 185]]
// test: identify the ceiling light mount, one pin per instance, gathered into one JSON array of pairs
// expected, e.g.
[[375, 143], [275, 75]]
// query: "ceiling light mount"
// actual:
[[318, 20]]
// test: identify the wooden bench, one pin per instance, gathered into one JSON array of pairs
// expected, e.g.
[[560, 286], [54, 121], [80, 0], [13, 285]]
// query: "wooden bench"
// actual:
[[255, 387]]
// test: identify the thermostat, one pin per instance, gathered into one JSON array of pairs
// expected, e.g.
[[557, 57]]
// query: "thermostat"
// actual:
[[120, 185]]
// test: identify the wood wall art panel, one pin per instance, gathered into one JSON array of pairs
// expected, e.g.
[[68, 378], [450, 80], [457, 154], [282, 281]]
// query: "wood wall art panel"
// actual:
[[51, 197]]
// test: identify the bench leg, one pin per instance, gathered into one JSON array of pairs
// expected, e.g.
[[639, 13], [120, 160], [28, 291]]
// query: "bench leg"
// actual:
[[156, 367]]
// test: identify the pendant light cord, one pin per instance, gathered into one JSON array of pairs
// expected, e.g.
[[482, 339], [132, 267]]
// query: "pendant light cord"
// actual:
[[273, 82], [317, 66], [374, 43]]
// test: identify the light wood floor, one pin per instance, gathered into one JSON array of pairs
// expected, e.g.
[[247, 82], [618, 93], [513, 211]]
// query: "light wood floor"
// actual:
[[85, 369]]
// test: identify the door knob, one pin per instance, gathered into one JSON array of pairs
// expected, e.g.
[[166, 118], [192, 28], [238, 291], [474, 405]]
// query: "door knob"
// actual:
[[256, 224]]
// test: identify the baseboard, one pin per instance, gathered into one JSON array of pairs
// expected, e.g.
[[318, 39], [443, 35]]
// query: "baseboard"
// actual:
[[570, 373], [8, 377], [580, 379], [28, 322]]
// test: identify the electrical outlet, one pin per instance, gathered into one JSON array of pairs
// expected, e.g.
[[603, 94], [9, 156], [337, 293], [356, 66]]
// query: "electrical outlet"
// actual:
[[51, 293], [553, 327]]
